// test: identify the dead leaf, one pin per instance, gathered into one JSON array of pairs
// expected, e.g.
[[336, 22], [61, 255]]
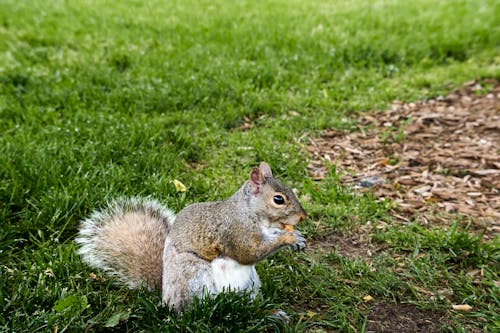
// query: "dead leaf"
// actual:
[[424, 291], [49, 272], [179, 187], [367, 298], [486, 172], [461, 307]]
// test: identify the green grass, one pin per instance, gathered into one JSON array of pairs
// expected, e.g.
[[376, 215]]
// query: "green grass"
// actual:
[[103, 99]]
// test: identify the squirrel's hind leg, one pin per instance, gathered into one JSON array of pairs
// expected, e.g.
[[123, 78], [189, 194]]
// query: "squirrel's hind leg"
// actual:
[[185, 276]]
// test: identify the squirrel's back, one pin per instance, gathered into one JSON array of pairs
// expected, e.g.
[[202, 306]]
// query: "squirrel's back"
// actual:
[[126, 240]]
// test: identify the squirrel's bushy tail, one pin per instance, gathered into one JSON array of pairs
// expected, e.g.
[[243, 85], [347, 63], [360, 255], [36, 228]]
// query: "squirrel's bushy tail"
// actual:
[[126, 240]]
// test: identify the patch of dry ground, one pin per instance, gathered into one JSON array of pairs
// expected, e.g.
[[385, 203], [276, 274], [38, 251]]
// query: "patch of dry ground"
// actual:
[[353, 246], [356, 244], [435, 160], [403, 318]]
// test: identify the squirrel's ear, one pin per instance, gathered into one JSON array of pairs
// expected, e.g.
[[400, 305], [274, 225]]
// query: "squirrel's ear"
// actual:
[[256, 180], [266, 170]]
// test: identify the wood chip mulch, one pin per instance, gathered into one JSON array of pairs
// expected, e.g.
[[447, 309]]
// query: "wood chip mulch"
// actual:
[[435, 159]]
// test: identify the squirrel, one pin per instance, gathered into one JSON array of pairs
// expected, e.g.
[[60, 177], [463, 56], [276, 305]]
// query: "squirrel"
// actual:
[[206, 249]]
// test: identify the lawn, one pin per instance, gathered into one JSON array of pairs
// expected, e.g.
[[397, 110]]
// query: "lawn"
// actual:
[[102, 99]]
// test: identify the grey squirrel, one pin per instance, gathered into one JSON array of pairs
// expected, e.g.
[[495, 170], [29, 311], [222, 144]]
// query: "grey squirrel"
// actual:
[[206, 249]]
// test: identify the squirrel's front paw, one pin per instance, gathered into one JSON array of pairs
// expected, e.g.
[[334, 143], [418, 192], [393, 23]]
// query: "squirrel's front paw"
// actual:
[[300, 243]]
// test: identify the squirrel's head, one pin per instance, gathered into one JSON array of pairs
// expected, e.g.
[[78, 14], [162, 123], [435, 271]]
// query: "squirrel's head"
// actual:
[[277, 201]]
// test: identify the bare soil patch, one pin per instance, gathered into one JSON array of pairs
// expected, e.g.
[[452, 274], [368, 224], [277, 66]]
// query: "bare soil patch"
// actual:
[[356, 245], [350, 247], [437, 160], [384, 317]]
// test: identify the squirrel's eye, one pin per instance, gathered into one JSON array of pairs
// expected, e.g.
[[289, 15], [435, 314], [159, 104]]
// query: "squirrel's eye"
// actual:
[[279, 200]]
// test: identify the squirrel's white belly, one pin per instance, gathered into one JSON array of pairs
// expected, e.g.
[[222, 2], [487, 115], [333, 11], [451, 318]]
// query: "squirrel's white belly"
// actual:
[[229, 274]]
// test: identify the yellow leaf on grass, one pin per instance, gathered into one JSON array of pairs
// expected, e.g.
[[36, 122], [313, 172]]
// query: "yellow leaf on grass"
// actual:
[[367, 298], [461, 307], [180, 187]]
